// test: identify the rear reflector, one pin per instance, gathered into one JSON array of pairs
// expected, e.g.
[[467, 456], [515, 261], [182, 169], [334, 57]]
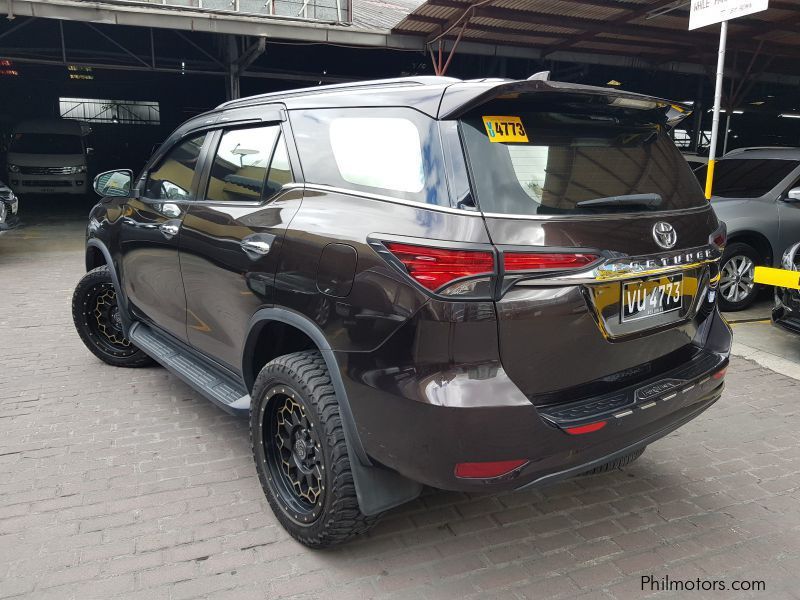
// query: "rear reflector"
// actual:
[[581, 429], [529, 261], [436, 267], [487, 470], [720, 374]]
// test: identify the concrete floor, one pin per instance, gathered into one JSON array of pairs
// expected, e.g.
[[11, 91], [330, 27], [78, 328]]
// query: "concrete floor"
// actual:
[[757, 339], [124, 484]]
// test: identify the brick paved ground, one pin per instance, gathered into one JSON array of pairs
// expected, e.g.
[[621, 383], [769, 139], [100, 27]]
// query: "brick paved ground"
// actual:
[[124, 484]]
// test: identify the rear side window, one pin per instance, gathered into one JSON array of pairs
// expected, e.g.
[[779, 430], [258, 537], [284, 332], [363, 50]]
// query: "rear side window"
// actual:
[[172, 179], [388, 151], [379, 152], [747, 177], [571, 158]]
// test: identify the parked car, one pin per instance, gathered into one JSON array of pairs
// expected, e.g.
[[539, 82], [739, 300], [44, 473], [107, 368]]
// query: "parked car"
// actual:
[[786, 313], [756, 192], [48, 156], [401, 287], [9, 207]]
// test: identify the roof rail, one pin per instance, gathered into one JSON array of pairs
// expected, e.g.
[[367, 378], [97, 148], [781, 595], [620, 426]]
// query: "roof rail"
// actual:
[[321, 89]]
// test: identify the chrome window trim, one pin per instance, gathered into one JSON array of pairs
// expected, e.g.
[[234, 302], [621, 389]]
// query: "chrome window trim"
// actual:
[[392, 199], [477, 213]]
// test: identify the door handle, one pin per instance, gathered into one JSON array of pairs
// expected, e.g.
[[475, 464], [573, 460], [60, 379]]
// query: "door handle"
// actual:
[[169, 229], [255, 247]]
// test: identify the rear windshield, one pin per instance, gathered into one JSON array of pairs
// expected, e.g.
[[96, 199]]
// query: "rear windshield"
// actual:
[[747, 177], [46, 143], [571, 158]]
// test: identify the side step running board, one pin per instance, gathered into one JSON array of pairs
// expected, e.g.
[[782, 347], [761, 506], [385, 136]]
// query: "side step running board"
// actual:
[[210, 381]]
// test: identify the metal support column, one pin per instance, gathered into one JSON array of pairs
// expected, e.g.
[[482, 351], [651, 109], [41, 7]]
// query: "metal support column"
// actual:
[[232, 89]]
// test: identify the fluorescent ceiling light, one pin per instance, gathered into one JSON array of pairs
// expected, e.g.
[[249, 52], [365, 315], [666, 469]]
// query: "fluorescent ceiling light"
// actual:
[[790, 115]]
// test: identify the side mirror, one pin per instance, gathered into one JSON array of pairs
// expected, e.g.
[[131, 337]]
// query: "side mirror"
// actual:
[[793, 195], [114, 183]]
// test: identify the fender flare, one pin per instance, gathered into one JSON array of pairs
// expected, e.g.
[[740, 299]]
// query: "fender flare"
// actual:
[[377, 489], [122, 300]]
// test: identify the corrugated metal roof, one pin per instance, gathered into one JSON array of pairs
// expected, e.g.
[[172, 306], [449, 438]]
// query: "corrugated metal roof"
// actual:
[[642, 28], [382, 14]]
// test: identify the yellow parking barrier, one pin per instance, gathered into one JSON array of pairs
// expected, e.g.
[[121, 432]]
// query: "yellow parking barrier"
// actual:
[[778, 277]]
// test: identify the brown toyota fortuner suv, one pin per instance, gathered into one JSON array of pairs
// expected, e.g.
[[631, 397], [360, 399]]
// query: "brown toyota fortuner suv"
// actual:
[[471, 285]]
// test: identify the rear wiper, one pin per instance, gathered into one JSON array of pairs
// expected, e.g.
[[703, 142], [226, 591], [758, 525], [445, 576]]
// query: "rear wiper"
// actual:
[[646, 200]]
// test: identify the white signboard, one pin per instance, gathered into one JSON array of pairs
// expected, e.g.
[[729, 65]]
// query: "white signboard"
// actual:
[[708, 12]]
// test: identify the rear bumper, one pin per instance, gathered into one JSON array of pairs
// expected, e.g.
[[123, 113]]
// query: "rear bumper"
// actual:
[[422, 425]]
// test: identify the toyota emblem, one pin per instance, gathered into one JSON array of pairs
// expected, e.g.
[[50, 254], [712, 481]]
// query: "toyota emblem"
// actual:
[[664, 235]]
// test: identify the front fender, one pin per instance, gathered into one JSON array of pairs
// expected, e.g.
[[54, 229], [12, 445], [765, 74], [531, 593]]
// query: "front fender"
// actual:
[[122, 301]]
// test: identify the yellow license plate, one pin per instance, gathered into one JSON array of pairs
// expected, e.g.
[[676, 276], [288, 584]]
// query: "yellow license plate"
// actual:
[[505, 129]]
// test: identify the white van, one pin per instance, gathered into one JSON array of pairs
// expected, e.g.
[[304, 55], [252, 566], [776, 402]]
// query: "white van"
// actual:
[[48, 156]]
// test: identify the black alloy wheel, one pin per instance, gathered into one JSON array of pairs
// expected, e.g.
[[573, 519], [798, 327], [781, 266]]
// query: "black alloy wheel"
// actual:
[[301, 454], [293, 455], [97, 318]]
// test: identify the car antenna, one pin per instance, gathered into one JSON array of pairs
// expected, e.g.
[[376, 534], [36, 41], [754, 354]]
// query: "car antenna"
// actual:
[[540, 76]]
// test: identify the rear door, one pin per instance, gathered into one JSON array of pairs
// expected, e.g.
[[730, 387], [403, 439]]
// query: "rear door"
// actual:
[[604, 239], [232, 235]]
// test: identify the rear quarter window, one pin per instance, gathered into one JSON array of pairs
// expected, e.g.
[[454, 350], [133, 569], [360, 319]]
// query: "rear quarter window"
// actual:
[[393, 152]]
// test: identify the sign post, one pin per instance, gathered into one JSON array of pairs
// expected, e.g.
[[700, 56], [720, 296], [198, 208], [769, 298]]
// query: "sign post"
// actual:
[[712, 149], [709, 12]]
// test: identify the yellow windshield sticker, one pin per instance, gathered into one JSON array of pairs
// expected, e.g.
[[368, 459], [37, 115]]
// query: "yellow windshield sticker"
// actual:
[[505, 129]]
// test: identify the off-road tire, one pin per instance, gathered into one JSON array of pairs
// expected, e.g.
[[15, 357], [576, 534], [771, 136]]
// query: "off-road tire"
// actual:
[[121, 354], [304, 377], [618, 463], [733, 250]]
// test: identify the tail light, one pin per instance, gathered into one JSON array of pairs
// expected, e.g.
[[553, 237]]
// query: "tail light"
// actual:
[[530, 261], [720, 236], [720, 374], [434, 268]]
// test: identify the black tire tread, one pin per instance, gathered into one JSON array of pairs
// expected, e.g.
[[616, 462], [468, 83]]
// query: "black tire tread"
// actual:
[[618, 463], [342, 519], [97, 275]]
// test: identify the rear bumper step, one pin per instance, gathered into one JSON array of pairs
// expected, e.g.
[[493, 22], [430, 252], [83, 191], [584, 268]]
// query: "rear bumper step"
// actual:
[[210, 381], [638, 397]]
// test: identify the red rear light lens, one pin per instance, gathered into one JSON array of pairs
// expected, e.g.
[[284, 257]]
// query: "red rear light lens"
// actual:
[[581, 429], [487, 470], [530, 261], [720, 237], [436, 267], [720, 374]]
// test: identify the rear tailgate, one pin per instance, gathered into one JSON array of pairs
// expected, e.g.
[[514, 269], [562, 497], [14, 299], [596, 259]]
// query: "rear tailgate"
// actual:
[[631, 306]]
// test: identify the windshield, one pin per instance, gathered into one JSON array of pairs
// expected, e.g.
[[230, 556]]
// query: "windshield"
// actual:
[[747, 177], [556, 162], [46, 143]]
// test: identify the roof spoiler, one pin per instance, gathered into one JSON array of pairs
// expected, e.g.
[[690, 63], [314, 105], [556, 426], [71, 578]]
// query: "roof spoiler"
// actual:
[[459, 99]]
